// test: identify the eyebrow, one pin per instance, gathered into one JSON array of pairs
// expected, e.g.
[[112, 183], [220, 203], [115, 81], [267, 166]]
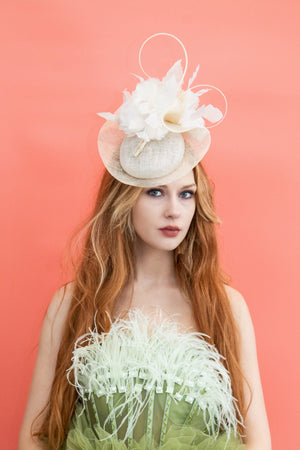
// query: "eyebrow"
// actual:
[[183, 187]]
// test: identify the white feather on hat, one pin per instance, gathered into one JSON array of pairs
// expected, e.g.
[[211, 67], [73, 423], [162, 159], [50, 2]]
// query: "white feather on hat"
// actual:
[[160, 132]]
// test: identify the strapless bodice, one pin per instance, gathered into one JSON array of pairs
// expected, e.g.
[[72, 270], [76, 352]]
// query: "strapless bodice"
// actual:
[[145, 384]]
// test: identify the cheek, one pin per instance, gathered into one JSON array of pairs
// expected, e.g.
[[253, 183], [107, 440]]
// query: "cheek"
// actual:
[[190, 212], [141, 215], [193, 210]]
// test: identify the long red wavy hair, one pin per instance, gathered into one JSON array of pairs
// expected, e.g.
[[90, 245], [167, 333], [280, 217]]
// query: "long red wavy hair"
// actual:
[[107, 263]]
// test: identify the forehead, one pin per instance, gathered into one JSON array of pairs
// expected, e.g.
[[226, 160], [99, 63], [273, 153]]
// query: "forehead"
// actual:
[[181, 182]]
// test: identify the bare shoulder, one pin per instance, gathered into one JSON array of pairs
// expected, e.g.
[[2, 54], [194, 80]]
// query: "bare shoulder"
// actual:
[[55, 319], [238, 304], [241, 314], [244, 323], [60, 304]]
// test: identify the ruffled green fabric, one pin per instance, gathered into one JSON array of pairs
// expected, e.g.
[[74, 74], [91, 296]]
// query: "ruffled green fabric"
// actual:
[[82, 435], [184, 438]]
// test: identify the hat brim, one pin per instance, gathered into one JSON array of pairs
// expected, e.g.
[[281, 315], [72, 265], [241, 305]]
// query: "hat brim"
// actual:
[[110, 137]]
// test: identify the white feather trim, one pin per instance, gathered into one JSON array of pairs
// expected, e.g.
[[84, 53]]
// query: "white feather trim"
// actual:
[[175, 71], [192, 79], [154, 103], [210, 113], [143, 353]]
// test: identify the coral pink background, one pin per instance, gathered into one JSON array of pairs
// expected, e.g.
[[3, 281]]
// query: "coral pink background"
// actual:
[[65, 60]]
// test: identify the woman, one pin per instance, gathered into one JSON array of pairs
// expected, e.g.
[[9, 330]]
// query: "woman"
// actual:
[[149, 346]]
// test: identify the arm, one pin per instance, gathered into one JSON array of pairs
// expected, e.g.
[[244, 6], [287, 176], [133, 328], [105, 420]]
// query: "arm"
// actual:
[[44, 370], [256, 422]]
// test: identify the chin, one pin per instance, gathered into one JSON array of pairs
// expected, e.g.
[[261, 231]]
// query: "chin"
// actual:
[[168, 246], [162, 243]]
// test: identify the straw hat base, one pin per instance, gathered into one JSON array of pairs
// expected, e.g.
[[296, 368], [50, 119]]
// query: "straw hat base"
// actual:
[[159, 162]]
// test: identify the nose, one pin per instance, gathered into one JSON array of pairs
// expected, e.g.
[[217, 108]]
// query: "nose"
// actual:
[[172, 206]]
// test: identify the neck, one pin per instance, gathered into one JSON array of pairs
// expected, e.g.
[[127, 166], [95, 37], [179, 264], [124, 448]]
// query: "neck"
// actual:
[[154, 266]]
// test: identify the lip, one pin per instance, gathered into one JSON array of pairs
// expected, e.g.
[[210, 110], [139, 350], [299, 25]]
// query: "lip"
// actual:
[[171, 228], [170, 231]]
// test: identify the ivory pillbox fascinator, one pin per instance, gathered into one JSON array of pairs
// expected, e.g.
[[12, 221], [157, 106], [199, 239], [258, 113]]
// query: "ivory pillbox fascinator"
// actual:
[[158, 134]]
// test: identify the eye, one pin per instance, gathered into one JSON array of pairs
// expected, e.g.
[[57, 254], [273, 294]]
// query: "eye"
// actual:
[[187, 194], [154, 192]]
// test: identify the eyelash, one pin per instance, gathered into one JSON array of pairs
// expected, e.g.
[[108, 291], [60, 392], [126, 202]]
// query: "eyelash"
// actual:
[[149, 192]]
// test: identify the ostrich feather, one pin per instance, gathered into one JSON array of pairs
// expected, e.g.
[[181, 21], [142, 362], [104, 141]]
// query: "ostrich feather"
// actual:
[[144, 353], [147, 111]]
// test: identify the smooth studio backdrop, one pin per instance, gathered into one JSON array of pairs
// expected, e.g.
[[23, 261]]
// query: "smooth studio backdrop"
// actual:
[[65, 60]]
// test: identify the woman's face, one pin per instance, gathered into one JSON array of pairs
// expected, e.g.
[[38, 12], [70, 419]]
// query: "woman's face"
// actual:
[[162, 215]]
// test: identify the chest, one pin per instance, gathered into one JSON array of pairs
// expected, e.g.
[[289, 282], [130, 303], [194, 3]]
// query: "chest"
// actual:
[[166, 301]]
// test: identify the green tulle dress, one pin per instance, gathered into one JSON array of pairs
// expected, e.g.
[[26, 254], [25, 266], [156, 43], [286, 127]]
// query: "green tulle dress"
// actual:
[[146, 385]]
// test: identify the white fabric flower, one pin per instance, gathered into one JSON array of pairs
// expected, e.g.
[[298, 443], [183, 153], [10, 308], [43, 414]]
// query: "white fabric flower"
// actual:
[[157, 107]]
